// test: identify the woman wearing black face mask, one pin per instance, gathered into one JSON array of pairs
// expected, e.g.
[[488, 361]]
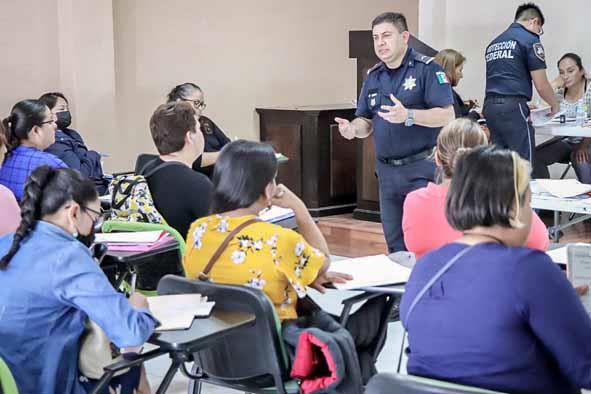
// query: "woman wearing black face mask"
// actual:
[[69, 145], [49, 284]]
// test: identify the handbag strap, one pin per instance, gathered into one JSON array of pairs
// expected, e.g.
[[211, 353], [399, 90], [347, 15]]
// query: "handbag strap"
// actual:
[[204, 275], [434, 279]]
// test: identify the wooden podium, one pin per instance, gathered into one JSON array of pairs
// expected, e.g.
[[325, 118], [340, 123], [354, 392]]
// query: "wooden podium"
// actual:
[[368, 201], [321, 166]]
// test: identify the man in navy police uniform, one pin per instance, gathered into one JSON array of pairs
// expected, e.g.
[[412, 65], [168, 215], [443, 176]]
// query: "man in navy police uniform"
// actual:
[[513, 60], [404, 102]]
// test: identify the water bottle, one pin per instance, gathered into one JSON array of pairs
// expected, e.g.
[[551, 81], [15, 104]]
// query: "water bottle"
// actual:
[[581, 115]]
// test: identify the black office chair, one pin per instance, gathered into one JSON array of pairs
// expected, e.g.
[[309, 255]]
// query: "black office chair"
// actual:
[[253, 360], [389, 383], [142, 160]]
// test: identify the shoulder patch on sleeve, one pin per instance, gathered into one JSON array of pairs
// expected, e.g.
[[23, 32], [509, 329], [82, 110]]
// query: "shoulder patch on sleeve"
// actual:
[[419, 57], [375, 67], [441, 77], [539, 51]]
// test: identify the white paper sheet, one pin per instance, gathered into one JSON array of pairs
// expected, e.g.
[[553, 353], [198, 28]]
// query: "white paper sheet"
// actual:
[[558, 255], [541, 116], [130, 237], [563, 188], [579, 269], [176, 312], [275, 214], [370, 271]]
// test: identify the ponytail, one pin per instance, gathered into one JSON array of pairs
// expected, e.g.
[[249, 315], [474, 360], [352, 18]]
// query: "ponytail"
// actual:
[[46, 191], [30, 207]]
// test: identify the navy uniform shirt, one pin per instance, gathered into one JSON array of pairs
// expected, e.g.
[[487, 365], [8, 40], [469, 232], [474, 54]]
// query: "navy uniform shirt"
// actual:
[[510, 58], [419, 83]]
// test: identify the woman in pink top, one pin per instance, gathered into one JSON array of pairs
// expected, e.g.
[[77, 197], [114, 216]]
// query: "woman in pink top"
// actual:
[[424, 224], [10, 213]]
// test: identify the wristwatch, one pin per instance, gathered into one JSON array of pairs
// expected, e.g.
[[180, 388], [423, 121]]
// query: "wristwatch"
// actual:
[[410, 117]]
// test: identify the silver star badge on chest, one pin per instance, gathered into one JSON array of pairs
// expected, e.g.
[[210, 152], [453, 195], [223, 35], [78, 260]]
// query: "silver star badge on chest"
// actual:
[[409, 83]]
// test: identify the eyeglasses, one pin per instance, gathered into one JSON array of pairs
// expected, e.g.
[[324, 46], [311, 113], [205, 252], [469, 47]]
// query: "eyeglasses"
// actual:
[[197, 104], [48, 122], [97, 223]]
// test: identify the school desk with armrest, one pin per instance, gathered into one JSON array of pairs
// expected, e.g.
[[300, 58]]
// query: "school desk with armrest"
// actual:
[[129, 263], [253, 359], [7, 382]]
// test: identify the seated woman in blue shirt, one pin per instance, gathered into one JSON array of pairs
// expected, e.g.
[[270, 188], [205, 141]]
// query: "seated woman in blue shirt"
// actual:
[[502, 316], [215, 139], [50, 285], [30, 130], [69, 145]]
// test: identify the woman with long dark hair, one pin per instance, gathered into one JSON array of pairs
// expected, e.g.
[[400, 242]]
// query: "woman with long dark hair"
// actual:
[[30, 129], [50, 284]]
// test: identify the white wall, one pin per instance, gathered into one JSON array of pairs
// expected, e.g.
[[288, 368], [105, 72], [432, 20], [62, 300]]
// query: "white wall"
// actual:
[[469, 25]]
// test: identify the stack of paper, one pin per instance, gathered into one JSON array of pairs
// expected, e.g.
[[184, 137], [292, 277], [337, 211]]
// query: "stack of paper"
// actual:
[[562, 188], [370, 271], [176, 312], [138, 241], [275, 214]]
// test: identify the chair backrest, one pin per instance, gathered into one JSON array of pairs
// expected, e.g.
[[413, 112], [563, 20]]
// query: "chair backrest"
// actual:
[[255, 355], [142, 160], [7, 382], [389, 383]]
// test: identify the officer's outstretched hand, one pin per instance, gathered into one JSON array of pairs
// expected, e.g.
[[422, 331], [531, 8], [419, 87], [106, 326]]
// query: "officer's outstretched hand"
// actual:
[[345, 128], [396, 113]]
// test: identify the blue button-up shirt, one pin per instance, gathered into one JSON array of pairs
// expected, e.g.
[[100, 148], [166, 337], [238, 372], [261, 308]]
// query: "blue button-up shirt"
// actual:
[[510, 59], [19, 164], [47, 291], [419, 83]]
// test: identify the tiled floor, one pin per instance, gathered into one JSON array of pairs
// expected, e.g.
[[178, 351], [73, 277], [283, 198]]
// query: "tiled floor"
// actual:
[[345, 236]]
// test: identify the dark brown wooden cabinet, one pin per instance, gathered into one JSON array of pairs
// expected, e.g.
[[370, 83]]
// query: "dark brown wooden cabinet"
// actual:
[[322, 165]]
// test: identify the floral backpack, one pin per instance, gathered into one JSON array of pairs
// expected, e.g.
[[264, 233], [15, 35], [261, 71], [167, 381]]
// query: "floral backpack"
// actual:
[[131, 200]]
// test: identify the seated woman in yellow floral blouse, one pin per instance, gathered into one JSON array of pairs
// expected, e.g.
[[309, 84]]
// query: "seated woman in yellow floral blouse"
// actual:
[[279, 261]]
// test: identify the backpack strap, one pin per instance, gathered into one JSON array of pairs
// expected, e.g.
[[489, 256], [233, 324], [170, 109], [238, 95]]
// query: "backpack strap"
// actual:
[[203, 275], [149, 173]]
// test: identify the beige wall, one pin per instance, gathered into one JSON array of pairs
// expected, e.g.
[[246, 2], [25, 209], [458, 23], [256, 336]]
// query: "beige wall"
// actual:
[[63, 45], [116, 59], [469, 26], [244, 54]]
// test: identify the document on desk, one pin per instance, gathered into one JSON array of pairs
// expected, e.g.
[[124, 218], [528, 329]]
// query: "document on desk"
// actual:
[[134, 237], [275, 214], [563, 188], [541, 116], [176, 312], [578, 269], [368, 271]]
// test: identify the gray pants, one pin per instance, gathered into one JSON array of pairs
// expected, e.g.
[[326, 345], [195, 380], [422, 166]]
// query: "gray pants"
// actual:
[[559, 151]]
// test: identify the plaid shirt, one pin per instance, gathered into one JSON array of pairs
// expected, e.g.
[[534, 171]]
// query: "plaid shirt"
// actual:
[[20, 162]]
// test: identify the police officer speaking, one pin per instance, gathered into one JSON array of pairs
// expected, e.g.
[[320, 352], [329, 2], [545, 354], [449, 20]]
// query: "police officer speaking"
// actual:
[[513, 60], [404, 102]]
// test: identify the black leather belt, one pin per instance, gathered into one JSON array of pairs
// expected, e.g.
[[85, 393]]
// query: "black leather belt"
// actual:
[[497, 99], [408, 159]]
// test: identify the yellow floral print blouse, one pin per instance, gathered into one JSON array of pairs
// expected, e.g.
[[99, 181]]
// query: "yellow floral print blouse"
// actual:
[[265, 256]]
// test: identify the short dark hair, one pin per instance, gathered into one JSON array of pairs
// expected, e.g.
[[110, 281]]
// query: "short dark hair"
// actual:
[[241, 173], [170, 123], [395, 18], [23, 117], [527, 11], [182, 91], [473, 200], [50, 99], [47, 189]]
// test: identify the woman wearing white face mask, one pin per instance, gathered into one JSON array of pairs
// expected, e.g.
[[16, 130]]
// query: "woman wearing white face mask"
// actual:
[[49, 284], [572, 90]]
